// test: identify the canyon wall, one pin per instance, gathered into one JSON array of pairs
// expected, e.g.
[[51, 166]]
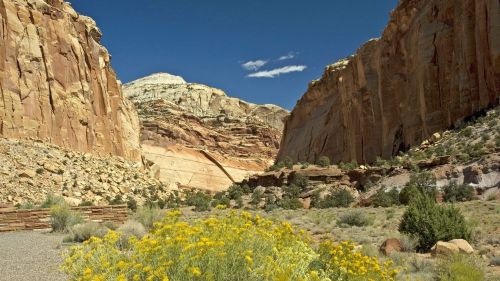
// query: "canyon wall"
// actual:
[[56, 82], [437, 63]]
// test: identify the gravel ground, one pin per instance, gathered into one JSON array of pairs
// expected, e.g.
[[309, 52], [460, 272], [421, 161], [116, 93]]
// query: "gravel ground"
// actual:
[[29, 256]]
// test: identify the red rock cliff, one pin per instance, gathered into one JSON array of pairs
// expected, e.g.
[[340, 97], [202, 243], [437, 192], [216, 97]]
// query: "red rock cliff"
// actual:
[[56, 82], [436, 63]]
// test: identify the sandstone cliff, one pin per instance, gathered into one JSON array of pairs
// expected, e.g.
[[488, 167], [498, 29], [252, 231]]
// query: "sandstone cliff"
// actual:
[[56, 82], [437, 63], [201, 138]]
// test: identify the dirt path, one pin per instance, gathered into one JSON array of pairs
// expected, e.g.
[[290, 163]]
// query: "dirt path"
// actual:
[[28, 256]]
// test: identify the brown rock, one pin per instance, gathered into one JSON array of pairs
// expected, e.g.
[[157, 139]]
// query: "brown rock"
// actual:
[[463, 246], [472, 174], [57, 84], [390, 246], [398, 90], [444, 248], [27, 174]]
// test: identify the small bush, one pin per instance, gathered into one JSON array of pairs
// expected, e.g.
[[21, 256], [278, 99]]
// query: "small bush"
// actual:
[[117, 200], [287, 162], [199, 200], [355, 218], [26, 206], [51, 200], [408, 243], [386, 199], [291, 204], [323, 161], [460, 267], [458, 192], [339, 198], [420, 183], [429, 222], [256, 197], [348, 166], [300, 181], [130, 229], [132, 204], [147, 216], [408, 193], [219, 199], [86, 204], [62, 218], [83, 231]]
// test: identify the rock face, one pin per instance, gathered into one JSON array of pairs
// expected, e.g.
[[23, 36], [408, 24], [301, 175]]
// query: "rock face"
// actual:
[[202, 101], [201, 138], [56, 82], [437, 63]]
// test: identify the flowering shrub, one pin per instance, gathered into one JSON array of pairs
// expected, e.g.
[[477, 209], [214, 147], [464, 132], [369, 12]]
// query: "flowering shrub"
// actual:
[[231, 247]]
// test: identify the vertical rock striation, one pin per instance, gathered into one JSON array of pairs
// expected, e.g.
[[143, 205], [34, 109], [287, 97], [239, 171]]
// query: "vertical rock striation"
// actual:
[[437, 63], [56, 82]]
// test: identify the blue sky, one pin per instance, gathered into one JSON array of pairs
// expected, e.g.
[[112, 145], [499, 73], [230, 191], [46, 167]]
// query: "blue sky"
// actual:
[[288, 43]]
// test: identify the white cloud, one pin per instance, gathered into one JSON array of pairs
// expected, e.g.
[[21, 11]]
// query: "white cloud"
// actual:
[[289, 56], [254, 65], [278, 71]]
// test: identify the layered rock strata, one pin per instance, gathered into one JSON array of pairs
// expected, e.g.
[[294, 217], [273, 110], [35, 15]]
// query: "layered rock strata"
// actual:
[[200, 137]]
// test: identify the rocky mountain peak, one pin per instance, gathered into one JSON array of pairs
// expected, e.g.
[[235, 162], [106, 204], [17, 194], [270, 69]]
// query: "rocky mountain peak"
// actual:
[[160, 78]]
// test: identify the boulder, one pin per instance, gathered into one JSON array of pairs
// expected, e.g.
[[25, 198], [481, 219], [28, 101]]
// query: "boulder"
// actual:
[[390, 246], [27, 174], [444, 248], [463, 246]]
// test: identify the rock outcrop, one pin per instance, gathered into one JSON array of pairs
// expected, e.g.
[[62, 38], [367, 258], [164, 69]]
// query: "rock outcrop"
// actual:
[[201, 138], [31, 169], [436, 64], [56, 82]]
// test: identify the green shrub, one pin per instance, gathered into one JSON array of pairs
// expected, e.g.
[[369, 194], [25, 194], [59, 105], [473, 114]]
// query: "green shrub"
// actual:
[[338, 198], [348, 166], [148, 215], [304, 165], [26, 206], [51, 200], [132, 204], [300, 181], [287, 162], [199, 200], [86, 204], [291, 191], [62, 218], [407, 194], [458, 192], [460, 268], [323, 161], [117, 200], [386, 199], [291, 204], [257, 197], [83, 231], [429, 222], [173, 201], [220, 198], [355, 218], [235, 191], [419, 183]]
